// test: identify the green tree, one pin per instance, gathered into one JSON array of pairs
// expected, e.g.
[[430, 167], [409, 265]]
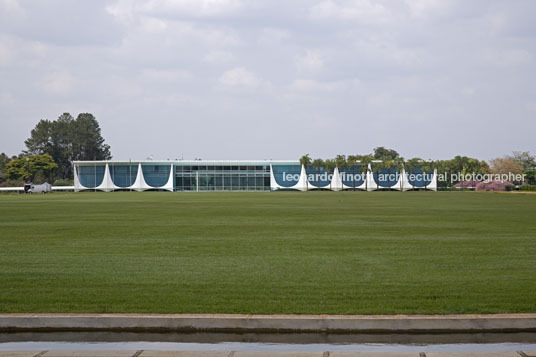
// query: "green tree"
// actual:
[[29, 168], [88, 142], [459, 164], [4, 159], [67, 139], [340, 161], [381, 153], [530, 177], [524, 159]]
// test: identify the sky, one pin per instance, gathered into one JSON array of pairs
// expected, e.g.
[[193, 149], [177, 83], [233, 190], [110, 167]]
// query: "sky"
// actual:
[[271, 79]]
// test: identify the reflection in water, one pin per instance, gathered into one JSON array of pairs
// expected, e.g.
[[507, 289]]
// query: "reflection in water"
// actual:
[[269, 342]]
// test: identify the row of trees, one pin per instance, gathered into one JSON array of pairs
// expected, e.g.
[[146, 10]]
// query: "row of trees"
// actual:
[[381, 157], [51, 149]]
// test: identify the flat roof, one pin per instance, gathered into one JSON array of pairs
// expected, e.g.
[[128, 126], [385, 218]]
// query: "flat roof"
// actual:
[[190, 162]]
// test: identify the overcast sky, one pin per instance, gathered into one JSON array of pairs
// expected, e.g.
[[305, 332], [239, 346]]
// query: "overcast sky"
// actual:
[[232, 79]]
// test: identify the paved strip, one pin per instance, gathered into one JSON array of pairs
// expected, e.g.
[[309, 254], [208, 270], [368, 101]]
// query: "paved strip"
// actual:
[[528, 353], [89, 353], [474, 354], [186, 354], [270, 323]]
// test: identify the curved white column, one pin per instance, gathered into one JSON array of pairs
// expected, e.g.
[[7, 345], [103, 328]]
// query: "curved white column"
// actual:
[[77, 185], [433, 184], [371, 184], [336, 182], [107, 183], [398, 185], [169, 184], [139, 184], [405, 181], [301, 185]]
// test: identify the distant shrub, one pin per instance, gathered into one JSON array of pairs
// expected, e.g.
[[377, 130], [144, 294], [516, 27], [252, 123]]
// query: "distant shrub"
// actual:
[[530, 177], [528, 188], [509, 188], [63, 182], [493, 186]]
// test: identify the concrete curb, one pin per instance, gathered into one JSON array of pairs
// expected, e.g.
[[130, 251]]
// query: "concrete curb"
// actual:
[[270, 323]]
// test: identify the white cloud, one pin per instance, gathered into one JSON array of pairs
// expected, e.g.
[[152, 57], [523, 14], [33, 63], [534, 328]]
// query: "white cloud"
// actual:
[[58, 82], [313, 85], [240, 78], [364, 11], [468, 92], [508, 58], [193, 8], [425, 8], [531, 106], [160, 75], [271, 36], [12, 8], [153, 25], [218, 57], [6, 99], [7, 52], [417, 62], [123, 10], [311, 61]]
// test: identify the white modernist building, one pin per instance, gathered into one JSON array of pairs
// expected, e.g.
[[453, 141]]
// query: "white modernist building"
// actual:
[[255, 175]]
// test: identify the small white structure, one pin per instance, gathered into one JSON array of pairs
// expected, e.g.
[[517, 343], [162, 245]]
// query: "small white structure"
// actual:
[[42, 188]]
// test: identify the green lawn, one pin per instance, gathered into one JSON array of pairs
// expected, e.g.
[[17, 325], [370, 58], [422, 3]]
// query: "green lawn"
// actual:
[[265, 253]]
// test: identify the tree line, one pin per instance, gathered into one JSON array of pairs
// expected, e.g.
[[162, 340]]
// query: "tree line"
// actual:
[[51, 149], [381, 157]]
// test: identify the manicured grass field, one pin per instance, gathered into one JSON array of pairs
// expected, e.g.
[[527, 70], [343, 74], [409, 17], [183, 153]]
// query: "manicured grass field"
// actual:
[[265, 253]]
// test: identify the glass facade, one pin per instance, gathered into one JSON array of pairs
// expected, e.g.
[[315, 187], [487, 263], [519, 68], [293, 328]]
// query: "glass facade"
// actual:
[[352, 176], [91, 176], [222, 177], [123, 175], [156, 175], [418, 178], [386, 177], [319, 176], [286, 175], [262, 175]]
